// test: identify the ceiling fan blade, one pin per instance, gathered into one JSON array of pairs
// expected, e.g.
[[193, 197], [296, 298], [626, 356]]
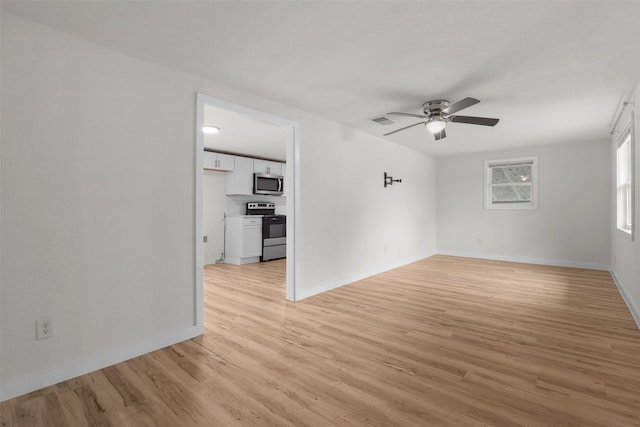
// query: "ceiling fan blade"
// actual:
[[460, 105], [440, 135], [406, 127], [484, 121], [420, 116]]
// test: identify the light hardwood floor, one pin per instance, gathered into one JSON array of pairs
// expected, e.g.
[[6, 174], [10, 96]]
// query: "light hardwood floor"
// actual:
[[442, 342]]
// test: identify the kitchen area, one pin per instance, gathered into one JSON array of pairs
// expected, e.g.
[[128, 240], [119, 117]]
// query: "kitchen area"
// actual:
[[244, 187]]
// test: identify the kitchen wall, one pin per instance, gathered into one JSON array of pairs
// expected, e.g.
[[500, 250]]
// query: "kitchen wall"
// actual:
[[214, 186], [570, 226], [97, 216], [625, 252], [237, 205]]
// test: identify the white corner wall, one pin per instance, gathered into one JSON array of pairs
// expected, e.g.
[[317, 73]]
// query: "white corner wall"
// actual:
[[98, 195], [625, 252], [351, 225], [97, 207], [569, 228]]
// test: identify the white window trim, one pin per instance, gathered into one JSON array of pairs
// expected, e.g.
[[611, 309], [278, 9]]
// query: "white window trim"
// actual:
[[511, 206], [627, 133]]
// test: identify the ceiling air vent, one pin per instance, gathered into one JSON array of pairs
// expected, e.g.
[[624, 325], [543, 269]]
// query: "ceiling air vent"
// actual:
[[382, 121]]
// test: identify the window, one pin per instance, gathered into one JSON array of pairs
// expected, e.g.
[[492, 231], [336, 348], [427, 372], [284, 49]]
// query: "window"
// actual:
[[624, 182], [511, 183]]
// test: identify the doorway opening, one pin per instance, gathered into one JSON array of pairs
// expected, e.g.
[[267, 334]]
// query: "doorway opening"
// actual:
[[289, 130]]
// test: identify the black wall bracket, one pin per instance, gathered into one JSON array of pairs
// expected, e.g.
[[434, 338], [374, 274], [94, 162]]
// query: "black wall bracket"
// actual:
[[388, 180]]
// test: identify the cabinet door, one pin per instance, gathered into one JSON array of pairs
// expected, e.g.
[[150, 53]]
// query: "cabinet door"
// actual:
[[240, 181], [217, 161], [266, 166], [251, 241], [209, 160], [275, 168], [225, 162]]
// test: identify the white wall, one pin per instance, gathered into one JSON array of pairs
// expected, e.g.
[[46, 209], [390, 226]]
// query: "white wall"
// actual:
[[625, 253], [352, 225], [570, 226], [97, 205], [98, 195]]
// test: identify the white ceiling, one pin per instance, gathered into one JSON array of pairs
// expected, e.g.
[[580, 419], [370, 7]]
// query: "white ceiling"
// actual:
[[551, 71], [241, 134]]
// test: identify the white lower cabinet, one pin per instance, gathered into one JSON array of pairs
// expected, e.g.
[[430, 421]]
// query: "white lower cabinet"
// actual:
[[243, 243]]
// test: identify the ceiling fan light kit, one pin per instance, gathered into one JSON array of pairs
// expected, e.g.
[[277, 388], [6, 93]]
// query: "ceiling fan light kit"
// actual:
[[439, 112], [435, 124]]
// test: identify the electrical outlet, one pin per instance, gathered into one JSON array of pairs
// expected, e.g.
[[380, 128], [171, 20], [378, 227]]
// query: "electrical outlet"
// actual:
[[205, 239], [44, 328]]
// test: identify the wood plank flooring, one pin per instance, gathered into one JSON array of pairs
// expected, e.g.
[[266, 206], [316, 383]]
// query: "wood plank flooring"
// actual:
[[442, 342]]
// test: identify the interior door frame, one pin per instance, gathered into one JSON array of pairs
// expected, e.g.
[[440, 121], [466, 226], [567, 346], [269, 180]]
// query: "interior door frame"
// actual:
[[291, 192]]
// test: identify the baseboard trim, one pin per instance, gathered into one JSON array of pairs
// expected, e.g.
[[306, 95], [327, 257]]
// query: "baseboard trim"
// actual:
[[351, 279], [75, 368], [526, 260], [635, 313]]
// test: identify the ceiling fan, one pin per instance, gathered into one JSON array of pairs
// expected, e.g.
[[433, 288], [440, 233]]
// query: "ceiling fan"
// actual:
[[437, 113]]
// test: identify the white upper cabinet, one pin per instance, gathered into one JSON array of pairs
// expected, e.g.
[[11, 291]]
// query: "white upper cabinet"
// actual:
[[266, 166], [241, 170], [218, 161], [240, 181]]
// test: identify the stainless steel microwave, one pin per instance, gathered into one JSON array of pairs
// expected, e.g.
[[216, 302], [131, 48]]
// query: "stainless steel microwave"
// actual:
[[264, 183]]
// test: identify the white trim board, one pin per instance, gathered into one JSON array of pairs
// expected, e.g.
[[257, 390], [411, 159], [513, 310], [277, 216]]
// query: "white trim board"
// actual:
[[526, 260], [635, 312], [74, 368]]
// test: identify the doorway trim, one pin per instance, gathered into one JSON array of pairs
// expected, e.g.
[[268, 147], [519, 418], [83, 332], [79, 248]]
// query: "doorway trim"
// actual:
[[291, 192]]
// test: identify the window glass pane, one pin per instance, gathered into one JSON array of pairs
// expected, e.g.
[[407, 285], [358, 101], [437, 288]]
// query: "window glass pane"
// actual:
[[624, 184], [511, 194], [511, 174], [627, 161], [509, 183], [627, 197], [623, 162]]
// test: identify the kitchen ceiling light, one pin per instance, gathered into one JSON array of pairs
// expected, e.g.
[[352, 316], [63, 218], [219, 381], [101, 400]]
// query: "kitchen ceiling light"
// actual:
[[210, 129], [435, 124]]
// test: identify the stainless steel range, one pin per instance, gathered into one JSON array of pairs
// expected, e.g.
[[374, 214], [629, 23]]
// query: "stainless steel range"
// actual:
[[274, 230]]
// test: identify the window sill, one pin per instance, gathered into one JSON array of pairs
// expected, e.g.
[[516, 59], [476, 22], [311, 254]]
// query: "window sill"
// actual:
[[625, 230], [511, 207]]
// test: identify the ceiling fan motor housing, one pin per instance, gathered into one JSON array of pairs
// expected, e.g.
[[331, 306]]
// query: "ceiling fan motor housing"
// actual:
[[433, 108]]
